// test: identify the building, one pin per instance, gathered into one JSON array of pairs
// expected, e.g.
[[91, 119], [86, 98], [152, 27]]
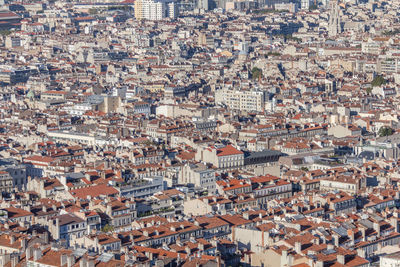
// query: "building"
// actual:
[[227, 157], [243, 100], [6, 182], [143, 188], [155, 9], [198, 175], [13, 76], [12, 41], [67, 225], [305, 4], [72, 137], [348, 184], [17, 171], [335, 22], [101, 243], [390, 260], [8, 19]]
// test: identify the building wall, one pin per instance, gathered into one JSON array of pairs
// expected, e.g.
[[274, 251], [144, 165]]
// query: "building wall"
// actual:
[[241, 99], [195, 207]]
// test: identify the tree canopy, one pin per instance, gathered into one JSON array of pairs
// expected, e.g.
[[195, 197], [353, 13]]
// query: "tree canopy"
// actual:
[[108, 228], [385, 131], [256, 73], [378, 81]]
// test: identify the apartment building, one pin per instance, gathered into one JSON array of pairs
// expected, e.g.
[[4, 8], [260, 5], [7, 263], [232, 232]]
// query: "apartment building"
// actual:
[[199, 175], [155, 9], [66, 225], [6, 182], [226, 157], [251, 100]]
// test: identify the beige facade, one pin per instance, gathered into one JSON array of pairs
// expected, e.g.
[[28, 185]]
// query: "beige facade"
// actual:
[[244, 100], [340, 131], [6, 182], [97, 243], [199, 175], [226, 158]]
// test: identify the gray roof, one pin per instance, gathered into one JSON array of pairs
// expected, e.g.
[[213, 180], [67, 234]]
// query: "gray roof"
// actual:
[[264, 153]]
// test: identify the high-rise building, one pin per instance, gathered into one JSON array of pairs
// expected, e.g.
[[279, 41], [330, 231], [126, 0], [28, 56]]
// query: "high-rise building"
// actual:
[[244, 100], [203, 4], [305, 4], [155, 9], [335, 23]]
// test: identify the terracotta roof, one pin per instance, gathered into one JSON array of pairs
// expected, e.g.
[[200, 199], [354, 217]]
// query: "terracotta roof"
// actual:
[[228, 150]]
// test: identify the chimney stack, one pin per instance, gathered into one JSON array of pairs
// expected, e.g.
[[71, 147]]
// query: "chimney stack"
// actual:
[[297, 247], [37, 254], [341, 259], [377, 228], [63, 259]]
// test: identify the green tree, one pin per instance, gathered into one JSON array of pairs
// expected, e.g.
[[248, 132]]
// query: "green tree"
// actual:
[[368, 90], [256, 73], [5, 32], [385, 131], [275, 54], [108, 228], [378, 81], [305, 169], [93, 11]]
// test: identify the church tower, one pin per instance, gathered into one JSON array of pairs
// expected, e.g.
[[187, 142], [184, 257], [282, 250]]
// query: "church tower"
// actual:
[[334, 25]]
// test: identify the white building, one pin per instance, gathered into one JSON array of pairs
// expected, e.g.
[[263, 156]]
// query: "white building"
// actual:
[[199, 175], [305, 4], [244, 100], [391, 260], [79, 109], [155, 9]]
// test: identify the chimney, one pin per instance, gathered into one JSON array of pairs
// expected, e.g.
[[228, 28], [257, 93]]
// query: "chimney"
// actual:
[[46, 237], [336, 240], [23, 244], [246, 215], [83, 262], [28, 253], [297, 247], [350, 233], [284, 254], [12, 239], [341, 259], [37, 254], [63, 259], [14, 260], [361, 253], [377, 228], [201, 246], [394, 222], [70, 261], [363, 234], [109, 209], [187, 249]]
